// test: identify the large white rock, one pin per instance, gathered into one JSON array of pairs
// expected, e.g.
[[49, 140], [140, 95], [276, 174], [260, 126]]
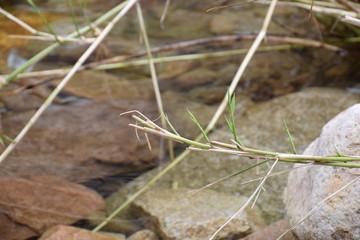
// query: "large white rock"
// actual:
[[339, 216]]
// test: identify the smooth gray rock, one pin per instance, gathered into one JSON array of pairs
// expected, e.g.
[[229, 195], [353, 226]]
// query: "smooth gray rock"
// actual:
[[339, 216]]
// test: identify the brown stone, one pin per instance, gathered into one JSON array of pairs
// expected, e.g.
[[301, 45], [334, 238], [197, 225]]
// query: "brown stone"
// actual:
[[71, 233], [273, 231], [42, 201], [81, 141], [9, 230], [196, 78], [143, 235], [98, 85]]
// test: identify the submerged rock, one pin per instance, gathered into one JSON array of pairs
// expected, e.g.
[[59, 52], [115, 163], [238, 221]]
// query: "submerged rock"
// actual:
[[339, 216], [180, 215], [82, 141], [195, 78], [258, 126], [103, 86]]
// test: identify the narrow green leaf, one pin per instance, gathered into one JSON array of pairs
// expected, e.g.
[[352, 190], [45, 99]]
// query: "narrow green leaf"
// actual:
[[249, 168], [231, 175], [236, 138], [9, 139], [42, 17], [231, 103], [193, 118], [2, 141], [290, 137], [73, 16], [337, 152], [169, 123], [233, 130], [230, 124], [86, 16]]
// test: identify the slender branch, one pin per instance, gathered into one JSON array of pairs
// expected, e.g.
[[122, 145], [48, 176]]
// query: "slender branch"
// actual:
[[191, 43], [51, 38], [349, 5], [319, 9], [351, 20], [23, 24]]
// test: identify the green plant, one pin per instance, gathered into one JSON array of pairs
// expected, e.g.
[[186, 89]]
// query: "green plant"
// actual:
[[238, 149]]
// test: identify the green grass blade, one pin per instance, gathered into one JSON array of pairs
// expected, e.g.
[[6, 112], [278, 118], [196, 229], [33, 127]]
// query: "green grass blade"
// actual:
[[231, 121], [247, 169], [9, 139], [233, 130], [73, 16], [231, 103], [193, 118], [42, 17], [337, 152], [169, 123], [86, 16], [230, 176], [290, 137]]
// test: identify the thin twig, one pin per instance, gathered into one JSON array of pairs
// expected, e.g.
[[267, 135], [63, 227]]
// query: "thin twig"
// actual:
[[23, 24], [319, 9], [351, 20], [154, 79], [164, 13], [349, 5], [191, 43], [51, 38], [102, 64]]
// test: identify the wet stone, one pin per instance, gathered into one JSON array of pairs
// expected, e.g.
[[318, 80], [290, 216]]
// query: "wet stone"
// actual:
[[42, 201], [81, 141]]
